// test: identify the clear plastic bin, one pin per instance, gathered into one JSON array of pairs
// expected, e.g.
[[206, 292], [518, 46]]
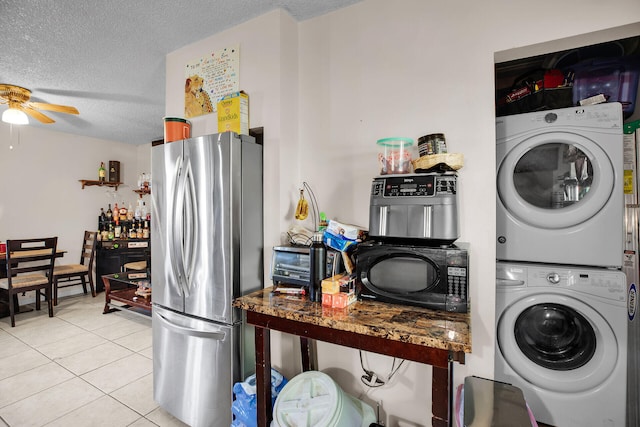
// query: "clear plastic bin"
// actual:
[[395, 155]]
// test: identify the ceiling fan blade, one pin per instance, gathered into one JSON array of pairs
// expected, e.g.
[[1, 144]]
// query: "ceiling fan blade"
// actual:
[[36, 114], [54, 107]]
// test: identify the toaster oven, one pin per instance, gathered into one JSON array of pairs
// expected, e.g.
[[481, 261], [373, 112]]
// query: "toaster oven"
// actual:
[[290, 265]]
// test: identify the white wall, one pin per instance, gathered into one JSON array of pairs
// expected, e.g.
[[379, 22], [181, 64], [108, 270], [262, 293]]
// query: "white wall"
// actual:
[[41, 194], [268, 73], [373, 70]]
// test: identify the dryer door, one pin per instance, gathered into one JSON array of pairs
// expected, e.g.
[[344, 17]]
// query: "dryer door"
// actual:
[[554, 180], [557, 343]]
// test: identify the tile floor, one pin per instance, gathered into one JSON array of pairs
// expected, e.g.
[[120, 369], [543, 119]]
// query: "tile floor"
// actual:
[[78, 368]]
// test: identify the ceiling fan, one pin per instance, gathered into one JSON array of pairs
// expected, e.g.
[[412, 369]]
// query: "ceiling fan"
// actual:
[[18, 99]]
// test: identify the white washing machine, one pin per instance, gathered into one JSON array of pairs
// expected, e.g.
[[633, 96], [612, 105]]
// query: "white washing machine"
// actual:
[[560, 186], [562, 339]]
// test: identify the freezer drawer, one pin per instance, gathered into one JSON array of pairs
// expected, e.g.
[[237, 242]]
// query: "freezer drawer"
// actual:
[[195, 364]]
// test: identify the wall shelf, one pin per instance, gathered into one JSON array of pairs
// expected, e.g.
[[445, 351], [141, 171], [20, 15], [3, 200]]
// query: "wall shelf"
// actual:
[[142, 191], [89, 182]]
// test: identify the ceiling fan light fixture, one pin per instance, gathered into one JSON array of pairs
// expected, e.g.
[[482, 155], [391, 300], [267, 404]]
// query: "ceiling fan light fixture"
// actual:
[[15, 117]]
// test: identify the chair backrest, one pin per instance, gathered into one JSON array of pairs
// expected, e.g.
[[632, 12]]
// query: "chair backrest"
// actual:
[[30, 255], [88, 248]]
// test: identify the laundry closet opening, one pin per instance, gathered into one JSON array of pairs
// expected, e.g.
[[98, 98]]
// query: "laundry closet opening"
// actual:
[[566, 275]]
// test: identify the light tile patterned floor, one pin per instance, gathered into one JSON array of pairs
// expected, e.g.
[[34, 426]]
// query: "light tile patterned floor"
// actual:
[[79, 368]]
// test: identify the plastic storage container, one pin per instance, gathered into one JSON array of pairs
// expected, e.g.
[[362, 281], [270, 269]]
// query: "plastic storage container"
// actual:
[[244, 406], [395, 156], [433, 143], [313, 399], [176, 129], [614, 78]]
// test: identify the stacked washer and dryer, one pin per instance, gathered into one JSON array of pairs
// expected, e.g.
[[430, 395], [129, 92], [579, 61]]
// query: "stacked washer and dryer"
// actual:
[[561, 294]]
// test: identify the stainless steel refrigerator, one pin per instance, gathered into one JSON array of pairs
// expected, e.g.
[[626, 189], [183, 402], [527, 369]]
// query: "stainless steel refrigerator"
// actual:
[[207, 247]]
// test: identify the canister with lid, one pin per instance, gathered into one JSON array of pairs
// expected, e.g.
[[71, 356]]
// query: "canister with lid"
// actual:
[[433, 143]]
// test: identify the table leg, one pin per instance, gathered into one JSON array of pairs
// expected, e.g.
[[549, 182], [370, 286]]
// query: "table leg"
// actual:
[[107, 291], [441, 396], [305, 349], [263, 376]]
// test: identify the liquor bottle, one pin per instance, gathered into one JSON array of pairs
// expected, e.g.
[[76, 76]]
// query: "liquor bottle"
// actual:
[[110, 234], [143, 211], [123, 212], [136, 214], [139, 231], [102, 173], [145, 230], [130, 213], [105, 233], [117, 231], [109, 213], [317, 267], [123, 234], [103, 216]]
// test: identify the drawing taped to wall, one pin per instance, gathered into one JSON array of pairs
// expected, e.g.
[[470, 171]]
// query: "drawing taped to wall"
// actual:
[[210, 78]]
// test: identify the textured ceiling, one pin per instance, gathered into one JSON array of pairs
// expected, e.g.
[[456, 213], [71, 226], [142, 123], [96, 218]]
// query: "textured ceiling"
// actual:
[[107, 57]]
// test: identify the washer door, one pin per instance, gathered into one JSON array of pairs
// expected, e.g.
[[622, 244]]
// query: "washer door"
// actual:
[[554, 180], [557, 343]]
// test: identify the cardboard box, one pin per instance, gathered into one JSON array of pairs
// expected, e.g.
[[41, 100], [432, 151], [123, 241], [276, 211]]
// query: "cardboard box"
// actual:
[[327, 300], [338, 283], [339, 300], [337, 242], [233, 113], [342, 300], [348, 231]]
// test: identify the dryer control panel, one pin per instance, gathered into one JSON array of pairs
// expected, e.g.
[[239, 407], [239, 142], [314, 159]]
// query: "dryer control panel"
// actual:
[[607, 284]]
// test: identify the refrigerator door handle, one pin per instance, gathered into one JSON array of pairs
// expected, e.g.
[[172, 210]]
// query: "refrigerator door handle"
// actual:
[[175, 235], [217, 335], [190, 226]]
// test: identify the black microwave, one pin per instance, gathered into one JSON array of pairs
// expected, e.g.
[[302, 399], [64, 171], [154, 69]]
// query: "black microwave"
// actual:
[[425, 276]]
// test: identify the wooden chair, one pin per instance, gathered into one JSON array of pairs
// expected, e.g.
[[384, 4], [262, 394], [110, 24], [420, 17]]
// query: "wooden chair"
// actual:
[[77, 274], [29, 268]]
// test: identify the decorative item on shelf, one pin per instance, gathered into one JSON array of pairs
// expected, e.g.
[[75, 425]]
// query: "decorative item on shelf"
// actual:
[[143, 291], [114, 171]]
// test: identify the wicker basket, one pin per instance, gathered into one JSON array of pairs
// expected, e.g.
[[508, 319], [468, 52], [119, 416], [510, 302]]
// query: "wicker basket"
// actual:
[[439, 162]]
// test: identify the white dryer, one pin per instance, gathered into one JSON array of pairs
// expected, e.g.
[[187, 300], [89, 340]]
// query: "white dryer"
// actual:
[[560, 186], [562, 339]]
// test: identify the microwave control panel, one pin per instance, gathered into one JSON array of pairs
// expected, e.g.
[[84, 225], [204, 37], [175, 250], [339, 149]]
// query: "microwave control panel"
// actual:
[[418, 185]]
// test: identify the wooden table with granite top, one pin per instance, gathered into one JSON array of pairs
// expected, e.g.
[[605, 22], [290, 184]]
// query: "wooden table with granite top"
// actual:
[[418, 334]]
